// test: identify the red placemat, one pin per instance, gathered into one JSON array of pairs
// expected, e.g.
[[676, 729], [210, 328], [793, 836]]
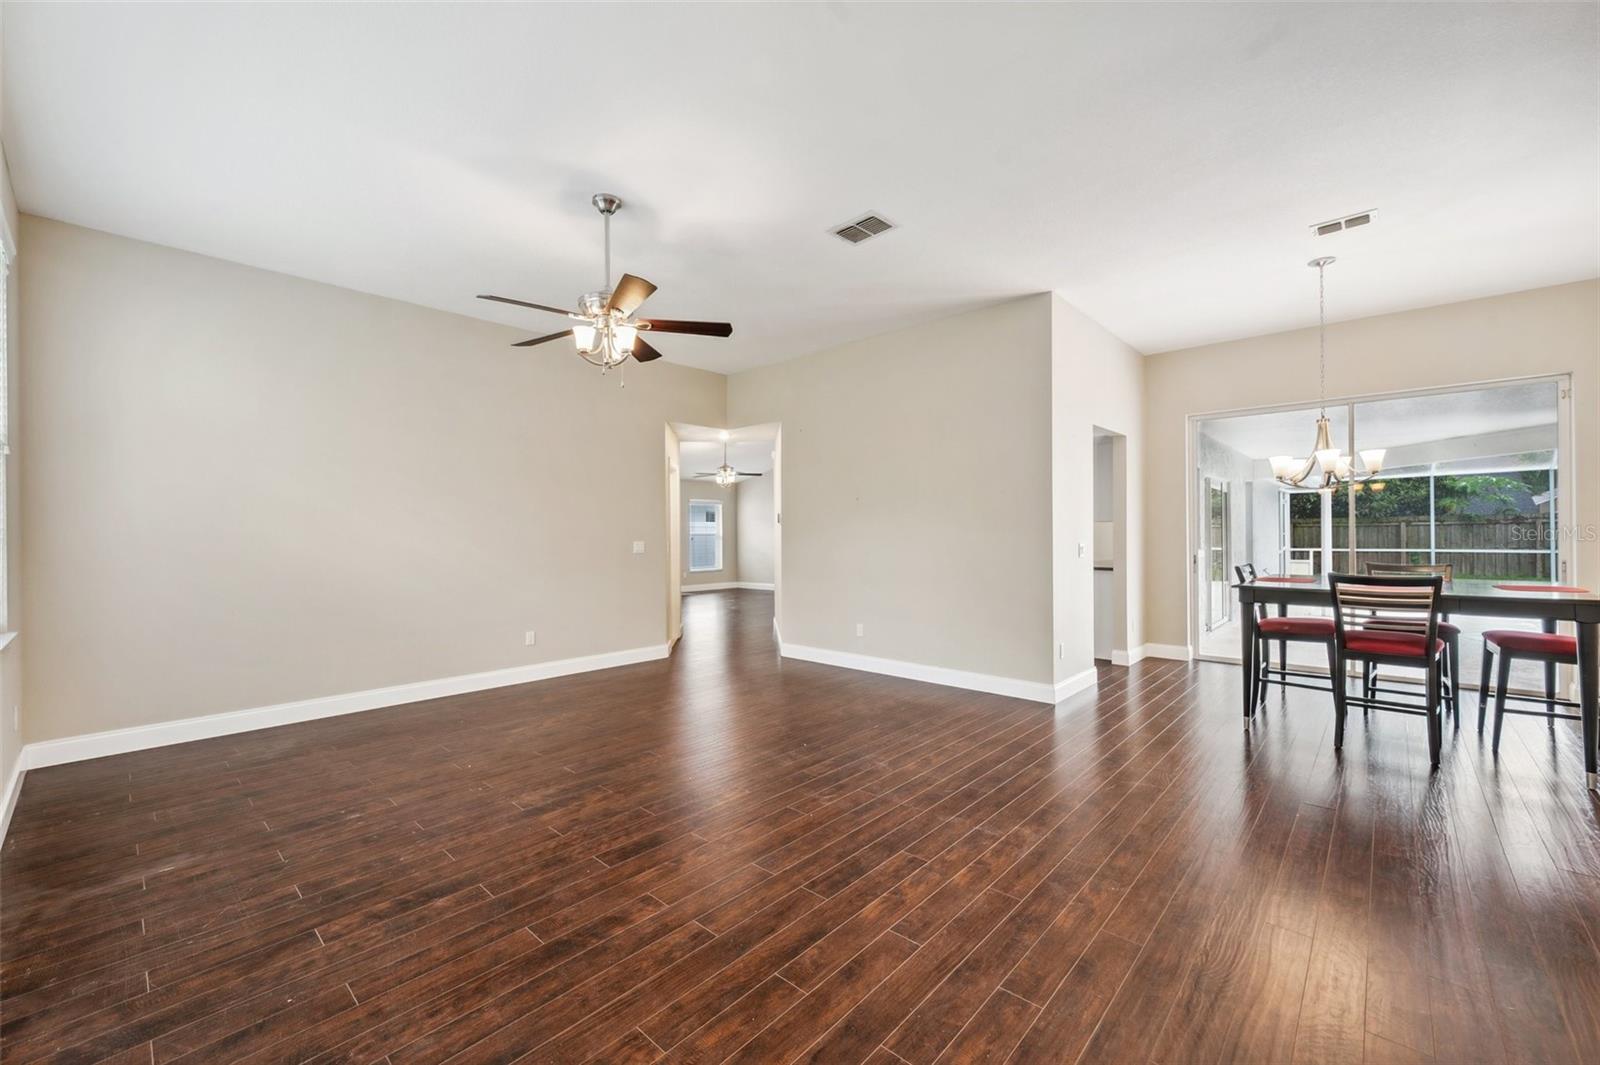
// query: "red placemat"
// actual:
[[1541, 588], [1287, 580]]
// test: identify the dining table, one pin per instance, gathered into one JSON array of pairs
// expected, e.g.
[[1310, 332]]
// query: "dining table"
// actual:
[[1469, 597]]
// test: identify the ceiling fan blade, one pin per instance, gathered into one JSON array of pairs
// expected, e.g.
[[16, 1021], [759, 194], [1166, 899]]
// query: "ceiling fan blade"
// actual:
[[543, 339], [629, 293], [742, 473], [643, 351], [699, 329], [525, 303]]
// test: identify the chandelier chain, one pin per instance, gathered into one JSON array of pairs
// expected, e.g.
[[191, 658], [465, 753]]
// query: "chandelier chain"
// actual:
[[1322, 338]]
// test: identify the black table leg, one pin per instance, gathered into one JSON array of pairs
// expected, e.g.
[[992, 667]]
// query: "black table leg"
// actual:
[[1589, 695], [1549, 625], [1247, 656], [1283, 652]]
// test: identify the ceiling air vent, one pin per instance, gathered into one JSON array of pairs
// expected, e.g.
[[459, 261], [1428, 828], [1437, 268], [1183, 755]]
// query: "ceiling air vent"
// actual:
[[1347, 222], [862, 228]]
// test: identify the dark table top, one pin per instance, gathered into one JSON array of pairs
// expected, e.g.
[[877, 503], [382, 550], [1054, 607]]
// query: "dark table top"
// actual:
[[1461, 596]]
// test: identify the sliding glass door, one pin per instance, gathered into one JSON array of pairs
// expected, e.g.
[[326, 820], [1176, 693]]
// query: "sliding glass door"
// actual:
[[1476, 477], [1218, 555], [1244, 516], [1471, 481]]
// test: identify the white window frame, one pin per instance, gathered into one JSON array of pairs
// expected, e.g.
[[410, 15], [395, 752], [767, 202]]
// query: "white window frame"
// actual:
[[717, 503]]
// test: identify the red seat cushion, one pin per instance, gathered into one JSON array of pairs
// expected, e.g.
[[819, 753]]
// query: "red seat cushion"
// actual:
[[1296, 626], [1400, 644], [1449, 628], [1536, 643]]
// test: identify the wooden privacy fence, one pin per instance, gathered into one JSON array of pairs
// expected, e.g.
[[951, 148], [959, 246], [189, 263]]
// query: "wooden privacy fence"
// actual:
[[1516, 548]]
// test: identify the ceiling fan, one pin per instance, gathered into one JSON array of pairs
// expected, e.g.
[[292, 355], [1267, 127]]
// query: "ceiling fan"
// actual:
[[605, 331], [725, 474]]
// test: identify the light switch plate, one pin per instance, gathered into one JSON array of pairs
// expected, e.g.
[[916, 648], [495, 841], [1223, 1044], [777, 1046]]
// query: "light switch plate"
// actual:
[[638, 547]]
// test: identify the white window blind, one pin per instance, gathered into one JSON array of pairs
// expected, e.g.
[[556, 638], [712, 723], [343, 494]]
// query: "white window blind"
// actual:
[[705, 536]]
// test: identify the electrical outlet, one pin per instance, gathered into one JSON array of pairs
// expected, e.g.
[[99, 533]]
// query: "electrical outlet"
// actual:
[[861, 630], [638, 547], [530, 638]]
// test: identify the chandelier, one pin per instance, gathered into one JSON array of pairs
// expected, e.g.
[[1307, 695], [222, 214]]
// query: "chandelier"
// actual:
[[1328, 467]]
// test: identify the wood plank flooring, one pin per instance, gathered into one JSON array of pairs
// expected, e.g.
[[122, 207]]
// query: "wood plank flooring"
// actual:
[[729, 857]]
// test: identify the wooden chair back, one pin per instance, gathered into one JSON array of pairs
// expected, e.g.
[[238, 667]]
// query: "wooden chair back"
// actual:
[[1391, 569], [1386, 604]]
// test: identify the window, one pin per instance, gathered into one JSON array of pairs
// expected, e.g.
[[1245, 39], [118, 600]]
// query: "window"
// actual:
[[705, 536]]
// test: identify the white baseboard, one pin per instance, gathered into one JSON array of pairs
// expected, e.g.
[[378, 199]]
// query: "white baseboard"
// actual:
[[1037, 691], [1076, 683], [1151, 650], [161, 734], [8, 800], [722, 586]]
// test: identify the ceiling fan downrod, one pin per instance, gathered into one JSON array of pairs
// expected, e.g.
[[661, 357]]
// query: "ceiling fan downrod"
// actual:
[[608, 205]]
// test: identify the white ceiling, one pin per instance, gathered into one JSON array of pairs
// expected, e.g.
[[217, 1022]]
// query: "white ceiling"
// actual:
[[1155, 164], [750, 448]]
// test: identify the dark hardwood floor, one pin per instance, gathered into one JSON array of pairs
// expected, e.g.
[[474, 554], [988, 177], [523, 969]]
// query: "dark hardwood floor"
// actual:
[[728, 857]]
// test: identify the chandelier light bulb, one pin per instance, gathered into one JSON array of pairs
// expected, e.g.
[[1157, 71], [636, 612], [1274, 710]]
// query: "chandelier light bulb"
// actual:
[[584, 337], [623, 337]]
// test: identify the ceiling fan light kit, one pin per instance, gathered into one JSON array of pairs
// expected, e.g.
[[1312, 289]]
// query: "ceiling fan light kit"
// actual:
[[605, 332]]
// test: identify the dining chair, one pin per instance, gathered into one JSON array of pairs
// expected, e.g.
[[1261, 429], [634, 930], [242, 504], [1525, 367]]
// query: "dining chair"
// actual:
[[1389, 621], [1550, 648], [1284, 630], [1449, 632]]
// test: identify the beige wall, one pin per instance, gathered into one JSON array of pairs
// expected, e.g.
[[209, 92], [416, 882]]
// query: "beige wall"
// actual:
[[1097, 381], [916, 470], [755, 530], [11, 655], [728, 497], [1549, 330], [245, 488]]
